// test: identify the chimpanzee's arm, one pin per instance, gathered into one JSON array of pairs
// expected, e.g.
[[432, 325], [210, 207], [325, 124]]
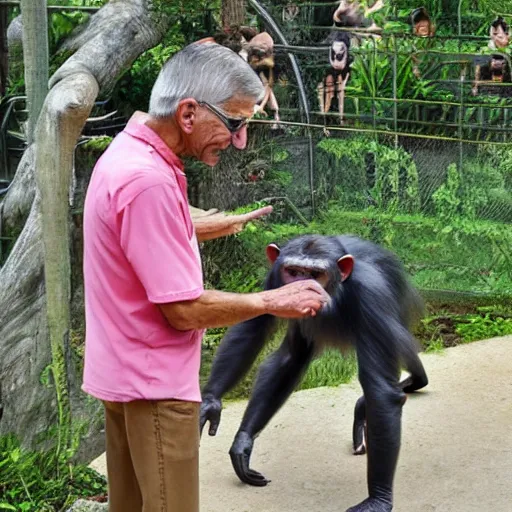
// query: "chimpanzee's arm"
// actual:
[[237, 352], [235, 355]]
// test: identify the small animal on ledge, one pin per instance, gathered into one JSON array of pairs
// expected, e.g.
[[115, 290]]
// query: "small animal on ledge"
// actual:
[[290, 12], [258, 50], [372, 309], [347, 14], [495, 69], [499, 34], [421, 26], [260, 56]]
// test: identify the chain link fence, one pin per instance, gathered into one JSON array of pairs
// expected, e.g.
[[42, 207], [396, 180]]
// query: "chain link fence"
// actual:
[[421, 163]]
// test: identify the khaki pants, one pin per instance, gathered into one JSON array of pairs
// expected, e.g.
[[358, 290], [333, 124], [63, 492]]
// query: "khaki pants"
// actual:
[[152, 456]]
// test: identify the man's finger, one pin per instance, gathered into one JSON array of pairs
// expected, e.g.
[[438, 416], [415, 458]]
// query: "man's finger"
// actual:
[[256, 214]]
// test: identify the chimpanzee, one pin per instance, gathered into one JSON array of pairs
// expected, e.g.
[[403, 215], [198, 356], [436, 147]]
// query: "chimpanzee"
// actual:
[[372, 308]]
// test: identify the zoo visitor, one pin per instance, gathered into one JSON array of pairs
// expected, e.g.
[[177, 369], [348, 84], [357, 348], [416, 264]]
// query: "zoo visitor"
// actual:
[[145, 302]]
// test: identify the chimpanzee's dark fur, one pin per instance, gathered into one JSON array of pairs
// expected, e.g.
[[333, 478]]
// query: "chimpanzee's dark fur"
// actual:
[[372, 310]]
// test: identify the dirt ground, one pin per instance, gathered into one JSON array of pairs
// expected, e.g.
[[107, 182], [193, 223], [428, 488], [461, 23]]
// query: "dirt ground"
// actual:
[[456, 451]]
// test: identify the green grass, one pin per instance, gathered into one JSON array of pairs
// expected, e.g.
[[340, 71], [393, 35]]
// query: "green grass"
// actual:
[[435, 346], [330, 369], [39, 481]]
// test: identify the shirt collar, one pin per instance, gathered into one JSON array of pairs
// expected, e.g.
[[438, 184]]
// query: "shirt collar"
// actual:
[[141, 131]]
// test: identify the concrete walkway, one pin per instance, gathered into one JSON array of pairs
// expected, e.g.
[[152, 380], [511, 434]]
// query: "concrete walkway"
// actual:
[[456, 445]]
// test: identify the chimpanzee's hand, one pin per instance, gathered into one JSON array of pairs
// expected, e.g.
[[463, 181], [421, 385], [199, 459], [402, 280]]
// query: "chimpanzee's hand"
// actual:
[[240, 454], [211, 409], [372, 505]]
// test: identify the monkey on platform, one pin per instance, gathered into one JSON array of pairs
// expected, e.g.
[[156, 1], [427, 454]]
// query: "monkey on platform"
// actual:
[[494, 69], [421, 26], [347, 14], [260, 56], [372, 309], [258, 50], [499, 34]]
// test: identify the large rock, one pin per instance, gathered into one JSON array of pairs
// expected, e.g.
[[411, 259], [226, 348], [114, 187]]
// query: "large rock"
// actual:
[[88, 506]]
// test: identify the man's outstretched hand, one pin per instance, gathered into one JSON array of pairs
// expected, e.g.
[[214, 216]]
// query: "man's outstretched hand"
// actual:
[[213, 224]]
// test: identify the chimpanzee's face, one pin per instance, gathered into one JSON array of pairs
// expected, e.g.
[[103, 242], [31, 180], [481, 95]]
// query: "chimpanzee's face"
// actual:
[[500, 37], [291, 273], [339, 54], [310, 262]]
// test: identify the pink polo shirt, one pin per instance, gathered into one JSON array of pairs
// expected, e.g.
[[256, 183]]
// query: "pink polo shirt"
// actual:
[[140, 250]]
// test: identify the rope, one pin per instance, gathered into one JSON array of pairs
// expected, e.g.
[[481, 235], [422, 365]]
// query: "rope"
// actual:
[[381, 132]]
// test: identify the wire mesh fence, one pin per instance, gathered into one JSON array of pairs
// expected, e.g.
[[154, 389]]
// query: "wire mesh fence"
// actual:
[[421, 162]]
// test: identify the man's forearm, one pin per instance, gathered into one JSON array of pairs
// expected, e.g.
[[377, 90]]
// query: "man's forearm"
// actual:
[[214, 309]]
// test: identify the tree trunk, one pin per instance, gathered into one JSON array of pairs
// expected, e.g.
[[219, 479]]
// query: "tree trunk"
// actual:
[[232, 13], [4, 50], [35, 56], [35, 304]]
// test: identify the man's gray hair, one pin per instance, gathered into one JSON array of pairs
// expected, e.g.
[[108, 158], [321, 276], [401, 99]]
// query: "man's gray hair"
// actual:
[[206, 72]]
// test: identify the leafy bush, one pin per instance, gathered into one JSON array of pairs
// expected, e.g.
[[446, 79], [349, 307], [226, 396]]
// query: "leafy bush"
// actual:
[[478, 327], [364, 172], [33, 481]]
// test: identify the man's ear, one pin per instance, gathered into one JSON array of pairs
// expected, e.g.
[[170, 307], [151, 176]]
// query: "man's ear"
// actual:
[[273, 252], [186, 114], [345, 266]]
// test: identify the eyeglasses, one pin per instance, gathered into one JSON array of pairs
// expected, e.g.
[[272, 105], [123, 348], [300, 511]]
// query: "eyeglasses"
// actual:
[[233, 124]]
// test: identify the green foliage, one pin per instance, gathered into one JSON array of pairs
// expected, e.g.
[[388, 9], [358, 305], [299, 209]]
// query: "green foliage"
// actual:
[[43, 482], [330, 369], [446, 197], [365, 172], [189, 22], [98, 144], [435, 346], [478, 327]]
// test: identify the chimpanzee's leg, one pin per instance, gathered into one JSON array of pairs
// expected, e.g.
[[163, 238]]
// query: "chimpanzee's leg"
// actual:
[[378, 374], [277, 378], [417, 380]]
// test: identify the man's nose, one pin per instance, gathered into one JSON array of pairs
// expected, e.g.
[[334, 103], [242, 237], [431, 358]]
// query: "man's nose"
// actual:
[[239, 138]]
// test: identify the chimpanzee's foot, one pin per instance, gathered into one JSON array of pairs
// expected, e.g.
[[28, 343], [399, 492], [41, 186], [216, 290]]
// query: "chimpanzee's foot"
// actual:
[[327, 133], [240, 454], [372, 505]]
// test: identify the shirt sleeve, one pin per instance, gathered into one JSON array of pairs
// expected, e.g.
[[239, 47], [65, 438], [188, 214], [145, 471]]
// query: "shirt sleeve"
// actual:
[[160, 247]]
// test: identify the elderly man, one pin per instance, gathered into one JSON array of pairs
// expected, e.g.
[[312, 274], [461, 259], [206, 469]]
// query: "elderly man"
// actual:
[[146, 307]]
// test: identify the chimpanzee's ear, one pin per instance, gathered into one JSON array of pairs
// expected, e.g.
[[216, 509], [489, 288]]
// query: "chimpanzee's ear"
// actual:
[[273, 252], [346, 265]]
